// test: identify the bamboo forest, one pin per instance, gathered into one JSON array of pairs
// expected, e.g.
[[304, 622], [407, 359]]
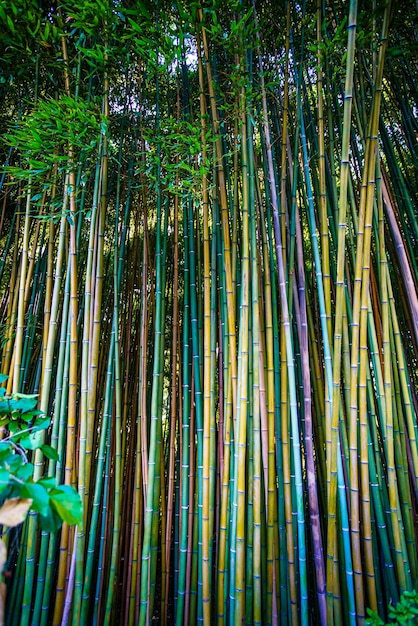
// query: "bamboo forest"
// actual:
[[208, 312]]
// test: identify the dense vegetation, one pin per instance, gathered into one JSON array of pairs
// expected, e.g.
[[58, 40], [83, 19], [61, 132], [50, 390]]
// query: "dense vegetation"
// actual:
[[208, 273]]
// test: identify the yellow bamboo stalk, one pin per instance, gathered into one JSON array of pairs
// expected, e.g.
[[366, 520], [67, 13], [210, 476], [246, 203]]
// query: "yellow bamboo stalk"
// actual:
[[49, 279], [8, 358], [333, 429], [20, 326], [223, 200], [242, 399], [69, 473], [207, 330], [367, 201], [96, 313]]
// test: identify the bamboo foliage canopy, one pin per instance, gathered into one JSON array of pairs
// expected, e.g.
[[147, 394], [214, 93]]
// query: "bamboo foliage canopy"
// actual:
[[208, 273]]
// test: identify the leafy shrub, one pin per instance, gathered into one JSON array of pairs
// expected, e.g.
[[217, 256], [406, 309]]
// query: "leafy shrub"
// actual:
[[404, 613], [23, 428]]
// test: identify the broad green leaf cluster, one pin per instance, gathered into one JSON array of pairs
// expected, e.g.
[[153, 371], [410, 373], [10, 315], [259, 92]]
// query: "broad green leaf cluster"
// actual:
[[403, 613], [22, 427]]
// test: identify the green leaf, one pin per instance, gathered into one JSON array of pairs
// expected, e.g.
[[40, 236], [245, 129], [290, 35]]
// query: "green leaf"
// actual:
[[30, 415], [31, 441], [27, 417], [26, 395], [13, 427], [23, 404], [10, 24], [5, 447], [25, 471], [4, 419], [3, 378], [4, 479], [48, 482], [374, 619], [50, 452], [67, 503], [41, 423], [50, 522], [14, 462], [39, 495]]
